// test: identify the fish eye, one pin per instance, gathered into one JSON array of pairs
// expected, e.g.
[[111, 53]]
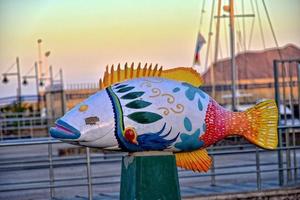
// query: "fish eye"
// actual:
[[83, 108], [91, 120]]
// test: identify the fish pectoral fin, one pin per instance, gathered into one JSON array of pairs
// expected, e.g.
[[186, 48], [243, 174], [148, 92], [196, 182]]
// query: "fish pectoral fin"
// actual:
[[198, 160]]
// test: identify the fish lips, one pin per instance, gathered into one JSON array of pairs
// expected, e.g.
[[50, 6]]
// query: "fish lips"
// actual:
[[63, 131]]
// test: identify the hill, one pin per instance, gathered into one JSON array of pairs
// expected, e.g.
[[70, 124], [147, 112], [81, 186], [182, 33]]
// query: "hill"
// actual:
[[252, 64]]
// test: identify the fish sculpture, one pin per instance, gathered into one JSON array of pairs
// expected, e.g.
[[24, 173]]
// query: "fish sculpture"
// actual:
[[162, 110]]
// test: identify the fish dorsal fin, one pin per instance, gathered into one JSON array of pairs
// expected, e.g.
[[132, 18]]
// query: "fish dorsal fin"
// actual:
[[184, 74], [197, 160]]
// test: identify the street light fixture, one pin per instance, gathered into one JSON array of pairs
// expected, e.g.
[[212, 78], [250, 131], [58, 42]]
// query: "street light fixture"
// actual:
[[25, 82], [41, 83], [47, 54], [5, 79]]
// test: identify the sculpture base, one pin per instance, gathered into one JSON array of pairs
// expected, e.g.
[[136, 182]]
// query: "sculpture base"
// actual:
[[148, 176]]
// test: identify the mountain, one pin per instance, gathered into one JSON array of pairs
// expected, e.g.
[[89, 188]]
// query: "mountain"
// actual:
[[252, 65]]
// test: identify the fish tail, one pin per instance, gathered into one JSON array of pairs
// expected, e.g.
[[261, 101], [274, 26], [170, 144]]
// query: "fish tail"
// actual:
[[260, 125]]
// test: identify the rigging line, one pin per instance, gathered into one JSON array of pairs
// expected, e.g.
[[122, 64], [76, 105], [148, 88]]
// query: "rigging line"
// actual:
[[211, 53], [272, 29], [252, 25], [222, 82], [238, 33], [211, 56], [217, 39], [10, 68], [274, 37], [30, 70], [226, 36], [201, 16], [209, 34], [224, 76], [238, 43], [244, 41], [260, 25], [244, 26], [240, 53], [221, 52], [57, 74], [217, 25]]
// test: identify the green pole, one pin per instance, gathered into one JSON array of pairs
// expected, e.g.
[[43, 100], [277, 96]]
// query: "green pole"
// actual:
[[148, 176]]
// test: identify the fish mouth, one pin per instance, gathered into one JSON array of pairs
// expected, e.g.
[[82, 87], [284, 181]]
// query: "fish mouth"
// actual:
[[63, 130]]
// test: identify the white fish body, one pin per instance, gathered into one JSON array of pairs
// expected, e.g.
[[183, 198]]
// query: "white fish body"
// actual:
[[164, 102]]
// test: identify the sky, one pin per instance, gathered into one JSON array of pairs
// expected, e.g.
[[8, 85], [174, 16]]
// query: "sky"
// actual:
[[86, 35]]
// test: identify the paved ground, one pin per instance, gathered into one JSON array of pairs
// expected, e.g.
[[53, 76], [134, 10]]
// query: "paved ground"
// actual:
[[25, 167]]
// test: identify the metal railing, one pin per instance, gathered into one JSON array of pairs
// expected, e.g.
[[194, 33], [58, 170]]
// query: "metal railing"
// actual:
[[12, 99], [287, 94], [54, 162], [23, 125]]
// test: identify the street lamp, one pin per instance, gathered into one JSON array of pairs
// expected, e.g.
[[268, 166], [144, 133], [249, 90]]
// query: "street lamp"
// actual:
[[42, 78], [41, 83], [47, 54], [6, 80], [25, 82]]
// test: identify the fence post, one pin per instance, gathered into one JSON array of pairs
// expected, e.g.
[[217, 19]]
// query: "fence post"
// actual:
[[212, 170], [51, 173], [89, 174], [31, 126], [258, 176], [277, 99], [19, 128], [1, 124], [294, 137], [288, 156]]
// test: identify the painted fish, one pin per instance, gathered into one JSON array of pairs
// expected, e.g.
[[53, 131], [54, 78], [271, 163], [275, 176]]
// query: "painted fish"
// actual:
[[151, 112]]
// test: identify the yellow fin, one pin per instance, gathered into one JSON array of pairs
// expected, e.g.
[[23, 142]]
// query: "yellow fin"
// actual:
[[184, 74], [197, 160], [263, 119]]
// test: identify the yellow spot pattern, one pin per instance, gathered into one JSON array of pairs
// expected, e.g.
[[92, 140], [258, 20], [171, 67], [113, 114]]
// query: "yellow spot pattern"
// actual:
[[83, 108]]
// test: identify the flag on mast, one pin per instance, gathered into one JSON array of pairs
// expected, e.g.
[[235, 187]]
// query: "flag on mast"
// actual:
[[200, 42]]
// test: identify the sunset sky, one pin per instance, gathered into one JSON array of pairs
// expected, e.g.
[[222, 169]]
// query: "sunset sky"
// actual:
[[86, 35]]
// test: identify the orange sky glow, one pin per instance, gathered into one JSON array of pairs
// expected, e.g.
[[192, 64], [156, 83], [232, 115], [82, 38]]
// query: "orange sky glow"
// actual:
[[85, 36]]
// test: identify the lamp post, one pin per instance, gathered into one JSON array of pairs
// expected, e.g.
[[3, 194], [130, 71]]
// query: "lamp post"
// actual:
[[41, 82], [63, 105], [40, 62], [36, 77], [6, 80], [42, 78]]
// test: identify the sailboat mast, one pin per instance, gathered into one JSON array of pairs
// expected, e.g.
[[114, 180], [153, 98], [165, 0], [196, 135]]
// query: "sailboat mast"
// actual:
[[232, 52], [212, 73]]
